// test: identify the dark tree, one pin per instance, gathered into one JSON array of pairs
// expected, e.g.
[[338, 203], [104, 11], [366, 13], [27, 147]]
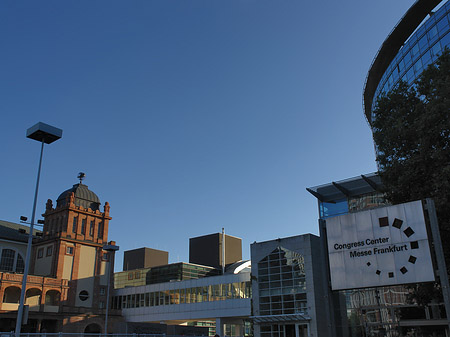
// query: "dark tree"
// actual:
[[411, 130]]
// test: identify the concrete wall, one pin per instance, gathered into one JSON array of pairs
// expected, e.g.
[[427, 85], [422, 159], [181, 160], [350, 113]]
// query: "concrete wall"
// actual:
[[43, 265], [86, 269]]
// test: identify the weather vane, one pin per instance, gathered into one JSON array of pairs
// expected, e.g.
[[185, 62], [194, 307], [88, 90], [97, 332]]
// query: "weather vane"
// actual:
[[81, 176]]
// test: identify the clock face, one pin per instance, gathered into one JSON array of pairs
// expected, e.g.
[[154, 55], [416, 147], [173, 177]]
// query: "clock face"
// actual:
[[378, 247]]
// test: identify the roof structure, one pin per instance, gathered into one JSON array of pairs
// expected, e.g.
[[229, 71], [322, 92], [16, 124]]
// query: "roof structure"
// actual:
[[83, 197], [338, 190], [14, 232]]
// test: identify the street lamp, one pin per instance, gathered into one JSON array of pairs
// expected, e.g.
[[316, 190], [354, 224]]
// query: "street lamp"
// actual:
[[46, 134], [109, 248]]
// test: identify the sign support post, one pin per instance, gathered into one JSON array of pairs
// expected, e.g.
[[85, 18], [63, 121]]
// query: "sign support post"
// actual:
[[442, 270]]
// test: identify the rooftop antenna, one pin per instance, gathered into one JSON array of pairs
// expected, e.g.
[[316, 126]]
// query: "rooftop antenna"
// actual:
[[81, 176], [223, 250]]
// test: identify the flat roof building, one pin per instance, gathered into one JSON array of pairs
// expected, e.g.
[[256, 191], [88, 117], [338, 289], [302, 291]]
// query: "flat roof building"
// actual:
[[208, 250], [144, 258]]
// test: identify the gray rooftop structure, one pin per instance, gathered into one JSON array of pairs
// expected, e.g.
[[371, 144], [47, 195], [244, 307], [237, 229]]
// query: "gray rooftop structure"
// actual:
[[338, 190], [14, 232]]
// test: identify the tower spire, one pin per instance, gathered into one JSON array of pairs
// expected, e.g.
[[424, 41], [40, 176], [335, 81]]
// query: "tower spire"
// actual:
[[81, 176]]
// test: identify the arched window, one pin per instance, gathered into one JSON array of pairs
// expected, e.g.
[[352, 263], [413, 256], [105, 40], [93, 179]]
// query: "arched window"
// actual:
[[7, 260], [52, 297], [11, 295], [20, 265], [10, 261]]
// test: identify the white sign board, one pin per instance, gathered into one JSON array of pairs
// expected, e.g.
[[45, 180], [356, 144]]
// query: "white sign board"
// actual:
[[378, 247]]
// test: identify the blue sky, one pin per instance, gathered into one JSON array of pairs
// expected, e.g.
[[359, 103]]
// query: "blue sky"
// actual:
[[188, 115]]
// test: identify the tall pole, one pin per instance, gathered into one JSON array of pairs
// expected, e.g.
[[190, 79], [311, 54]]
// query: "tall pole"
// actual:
[[107, 292], [440, 259], [223, 250], [110, 248], [28, 257]]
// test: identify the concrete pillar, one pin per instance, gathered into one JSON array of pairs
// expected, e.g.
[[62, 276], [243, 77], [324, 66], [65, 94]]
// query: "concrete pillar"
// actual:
[[239, 329], [220, 328]]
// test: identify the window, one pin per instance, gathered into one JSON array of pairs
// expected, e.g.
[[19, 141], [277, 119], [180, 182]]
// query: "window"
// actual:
[[100, 230], [130, 276], [101, 305], [91, 228], [40, 253], [69, 250], [20, 265], [83, 295], [75, 223], [102, 291], [83, 226], [7, 260], [105, 256], [49, 251], [281, 283]]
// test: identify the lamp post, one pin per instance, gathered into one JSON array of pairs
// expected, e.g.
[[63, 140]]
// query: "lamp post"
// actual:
[[46, 134], [109, 248]]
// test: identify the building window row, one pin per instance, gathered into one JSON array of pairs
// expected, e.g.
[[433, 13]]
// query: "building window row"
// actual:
[[217, 292], [84, 227]]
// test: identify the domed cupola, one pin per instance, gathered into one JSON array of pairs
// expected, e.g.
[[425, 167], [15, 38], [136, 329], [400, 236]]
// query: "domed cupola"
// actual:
[[83, 196]]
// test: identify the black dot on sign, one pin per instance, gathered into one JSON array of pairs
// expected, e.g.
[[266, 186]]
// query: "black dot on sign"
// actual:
[[391, 274], [412, 259], [384, 222], [368, 263], [403, 270], [408, 232], [397, 223], [378, 272], [414, 244]]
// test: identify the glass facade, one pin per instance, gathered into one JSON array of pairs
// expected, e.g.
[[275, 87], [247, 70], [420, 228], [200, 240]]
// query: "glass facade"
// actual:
[[421, 49], [351, 204], [161, 274], [281, 281], [209, 293]]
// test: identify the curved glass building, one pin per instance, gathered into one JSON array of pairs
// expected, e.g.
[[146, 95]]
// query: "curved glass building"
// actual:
[[414, 43]]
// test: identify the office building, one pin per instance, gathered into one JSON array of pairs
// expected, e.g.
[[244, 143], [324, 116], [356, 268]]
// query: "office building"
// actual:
[[414, 43], [290, 288], [144, 258], [180, 271], [208, 250]]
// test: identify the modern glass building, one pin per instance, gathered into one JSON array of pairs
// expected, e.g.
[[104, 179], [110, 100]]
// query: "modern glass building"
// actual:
[[222, 302], [168, 273], [375, 311], [414, 43], [289, 288]]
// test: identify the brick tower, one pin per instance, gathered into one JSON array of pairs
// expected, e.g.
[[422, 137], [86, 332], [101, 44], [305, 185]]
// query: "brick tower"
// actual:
[[74, 234]]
